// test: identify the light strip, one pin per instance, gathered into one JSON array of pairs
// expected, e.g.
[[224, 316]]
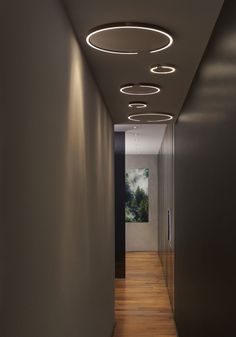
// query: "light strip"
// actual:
[[128, 27], [141, 86], [166, 117], [137, 105], [169, 70]]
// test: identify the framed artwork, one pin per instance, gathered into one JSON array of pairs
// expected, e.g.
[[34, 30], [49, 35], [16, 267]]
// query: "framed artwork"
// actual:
[[136, 195]]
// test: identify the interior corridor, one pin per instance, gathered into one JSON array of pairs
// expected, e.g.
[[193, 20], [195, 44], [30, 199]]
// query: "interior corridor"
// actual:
[[142, 305], [80, 81]]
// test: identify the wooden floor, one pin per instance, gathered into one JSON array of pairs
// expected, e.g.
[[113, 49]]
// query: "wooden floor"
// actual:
[[142, 303]]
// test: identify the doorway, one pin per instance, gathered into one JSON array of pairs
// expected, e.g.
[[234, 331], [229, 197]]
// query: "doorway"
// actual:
[[145, 231]]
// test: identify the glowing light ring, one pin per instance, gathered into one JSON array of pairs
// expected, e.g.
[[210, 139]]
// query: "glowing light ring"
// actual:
[[169, 70], [166, 117], [137, 105], [141, 86], [128, 27]]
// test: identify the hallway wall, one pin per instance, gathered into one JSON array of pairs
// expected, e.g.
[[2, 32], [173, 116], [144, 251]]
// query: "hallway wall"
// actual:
[[165, 205], [119, 152], [143, 236], [57, 228], [205, 185]]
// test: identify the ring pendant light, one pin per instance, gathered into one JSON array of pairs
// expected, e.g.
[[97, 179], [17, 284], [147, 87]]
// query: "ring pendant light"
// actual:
[[124, 39], [137, 105], [139, 89], [161, 117], [162, 70]]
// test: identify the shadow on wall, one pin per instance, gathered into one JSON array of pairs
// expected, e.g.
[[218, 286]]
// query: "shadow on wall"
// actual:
[[57, 181]]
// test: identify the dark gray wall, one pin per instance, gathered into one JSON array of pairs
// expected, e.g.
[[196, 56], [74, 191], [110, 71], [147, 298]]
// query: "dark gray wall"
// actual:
[[119, 145], [143, 236], [166, 209], [205, 185], [57, 221]]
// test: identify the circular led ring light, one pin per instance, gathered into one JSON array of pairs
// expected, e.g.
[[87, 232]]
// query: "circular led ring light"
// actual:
[[162, 70], [152, 89], [137, 105], [128, 26], [166, 117]]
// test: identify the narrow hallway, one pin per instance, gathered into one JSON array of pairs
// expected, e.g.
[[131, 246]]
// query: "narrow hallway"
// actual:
[[142, 304]]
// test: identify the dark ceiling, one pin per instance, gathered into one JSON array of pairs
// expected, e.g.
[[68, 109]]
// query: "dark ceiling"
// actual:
[[189, 22]]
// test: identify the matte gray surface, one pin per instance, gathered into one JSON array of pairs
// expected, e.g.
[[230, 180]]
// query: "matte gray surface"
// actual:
[[205, 185], [190, 22], [57, 221], [165, 204], [143, 236]]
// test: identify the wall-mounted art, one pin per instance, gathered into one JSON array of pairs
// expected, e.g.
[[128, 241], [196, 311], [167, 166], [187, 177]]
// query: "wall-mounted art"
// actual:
[[136, 195]]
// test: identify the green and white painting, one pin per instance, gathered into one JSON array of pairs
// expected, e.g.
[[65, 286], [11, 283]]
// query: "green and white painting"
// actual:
[[136, 195]]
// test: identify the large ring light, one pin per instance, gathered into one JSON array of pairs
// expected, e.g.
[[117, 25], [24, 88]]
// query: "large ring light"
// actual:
[[101, 39]]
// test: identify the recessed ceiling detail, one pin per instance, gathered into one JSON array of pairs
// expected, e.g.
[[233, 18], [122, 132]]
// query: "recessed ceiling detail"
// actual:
[[137, 105], [150, 117], [162, 70], [129, 39], [139, 89], [96, 22]]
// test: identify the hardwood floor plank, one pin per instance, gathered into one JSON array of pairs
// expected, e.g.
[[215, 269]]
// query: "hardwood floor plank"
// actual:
[[142, 304]]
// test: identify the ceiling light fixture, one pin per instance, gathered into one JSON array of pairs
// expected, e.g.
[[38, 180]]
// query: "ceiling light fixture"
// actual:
[[139, 89], [150, 117], [137, 105], [125, 39], [162, 70]]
